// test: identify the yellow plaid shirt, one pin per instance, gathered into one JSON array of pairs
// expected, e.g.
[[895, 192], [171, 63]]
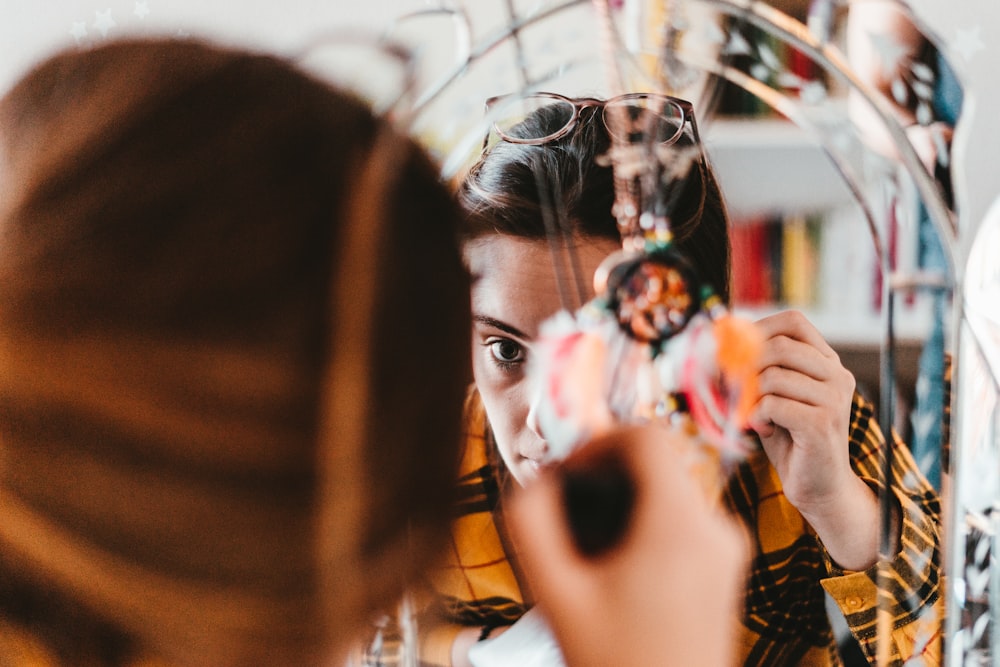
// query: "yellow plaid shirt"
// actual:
[[785, 620]]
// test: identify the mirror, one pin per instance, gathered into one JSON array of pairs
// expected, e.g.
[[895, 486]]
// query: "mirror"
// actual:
[[790, 61], [815, 154]]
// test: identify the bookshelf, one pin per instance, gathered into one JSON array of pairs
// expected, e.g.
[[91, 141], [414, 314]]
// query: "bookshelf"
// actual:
[[775, 176]]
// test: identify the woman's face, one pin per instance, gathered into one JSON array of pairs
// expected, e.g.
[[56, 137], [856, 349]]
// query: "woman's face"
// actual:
[[514, 290]]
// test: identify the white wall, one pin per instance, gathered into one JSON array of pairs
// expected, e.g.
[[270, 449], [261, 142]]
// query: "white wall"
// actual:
[[29, 29]]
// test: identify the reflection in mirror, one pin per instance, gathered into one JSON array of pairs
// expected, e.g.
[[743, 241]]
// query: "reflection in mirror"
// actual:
[[892, 191], [888, 52], [865, 156]]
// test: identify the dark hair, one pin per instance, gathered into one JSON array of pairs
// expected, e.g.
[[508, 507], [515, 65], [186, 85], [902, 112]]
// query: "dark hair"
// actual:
[[501, 193], [230, 299]]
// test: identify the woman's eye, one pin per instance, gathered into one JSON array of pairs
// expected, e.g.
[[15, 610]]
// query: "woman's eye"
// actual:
[[505, 351]]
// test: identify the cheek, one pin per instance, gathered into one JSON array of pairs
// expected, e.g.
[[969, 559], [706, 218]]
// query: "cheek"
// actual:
[[507, 413], [506, 449]]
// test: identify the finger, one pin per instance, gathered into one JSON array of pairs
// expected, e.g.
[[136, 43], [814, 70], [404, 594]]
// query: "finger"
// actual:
[[802, 422], [794, 385], [777, 444], [775, 411], [793, 324], [789, 353], [762, 425]]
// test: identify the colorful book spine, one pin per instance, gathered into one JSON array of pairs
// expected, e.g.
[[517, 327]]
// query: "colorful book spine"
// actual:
[[776, 261]]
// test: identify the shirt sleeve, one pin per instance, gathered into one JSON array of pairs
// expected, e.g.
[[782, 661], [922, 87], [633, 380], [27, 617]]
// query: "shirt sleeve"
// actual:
[[910, 580]]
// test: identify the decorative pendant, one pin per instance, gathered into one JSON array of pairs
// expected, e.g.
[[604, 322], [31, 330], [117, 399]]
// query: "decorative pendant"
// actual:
[[653, 294]]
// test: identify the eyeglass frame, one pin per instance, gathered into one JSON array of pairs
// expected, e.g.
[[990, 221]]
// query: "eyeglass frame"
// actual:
[[581, 103]]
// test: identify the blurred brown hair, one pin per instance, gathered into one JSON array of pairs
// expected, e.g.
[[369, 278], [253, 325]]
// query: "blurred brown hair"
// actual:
[[231, 316]]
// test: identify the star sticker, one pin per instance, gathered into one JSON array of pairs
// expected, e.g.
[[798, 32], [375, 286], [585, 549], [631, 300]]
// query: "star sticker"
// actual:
[[79, 30], [141, 9], [104, 22], [968, 42]]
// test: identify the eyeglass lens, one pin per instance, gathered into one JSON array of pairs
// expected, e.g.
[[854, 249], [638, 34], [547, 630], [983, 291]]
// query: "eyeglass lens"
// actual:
[[636, 120], [523, 118]]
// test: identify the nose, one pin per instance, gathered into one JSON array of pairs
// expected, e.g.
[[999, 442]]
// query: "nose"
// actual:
[[537, 449]]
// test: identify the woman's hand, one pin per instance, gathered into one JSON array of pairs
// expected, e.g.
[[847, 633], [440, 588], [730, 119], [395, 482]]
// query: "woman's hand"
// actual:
[[803, 420], [666, 591], [804, 410]]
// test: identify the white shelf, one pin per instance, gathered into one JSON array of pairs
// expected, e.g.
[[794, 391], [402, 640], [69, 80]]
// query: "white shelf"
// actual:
[[860, 327], [771, 165]]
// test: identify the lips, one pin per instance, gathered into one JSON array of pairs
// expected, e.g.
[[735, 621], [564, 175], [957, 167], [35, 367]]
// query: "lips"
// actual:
[[534, 467]]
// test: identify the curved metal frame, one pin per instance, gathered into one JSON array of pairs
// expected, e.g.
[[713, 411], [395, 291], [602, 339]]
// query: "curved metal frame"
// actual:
[[832, 61]]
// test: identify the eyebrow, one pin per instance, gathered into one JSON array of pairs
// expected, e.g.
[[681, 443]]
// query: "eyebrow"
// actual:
[[502, 326]]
